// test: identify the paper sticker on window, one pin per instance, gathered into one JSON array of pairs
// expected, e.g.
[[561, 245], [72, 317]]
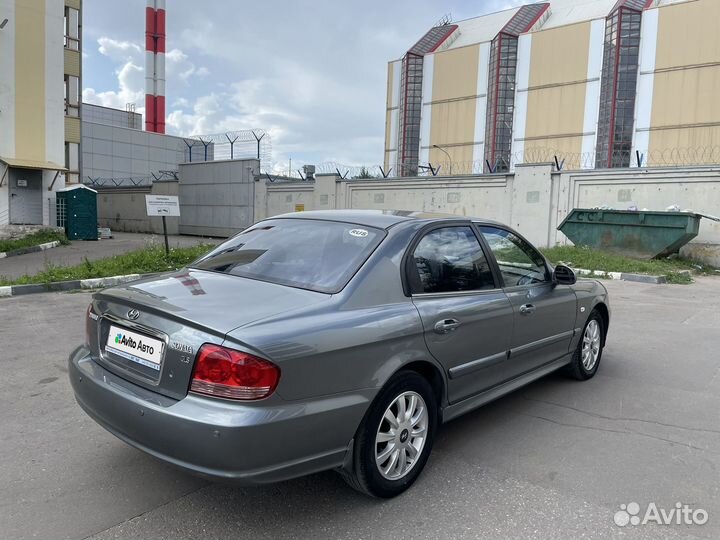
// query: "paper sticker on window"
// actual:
[[358, 233]]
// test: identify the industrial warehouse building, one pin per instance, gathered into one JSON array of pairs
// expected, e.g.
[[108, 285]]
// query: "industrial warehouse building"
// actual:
[[581, 83], [40, 82], [117, 151]]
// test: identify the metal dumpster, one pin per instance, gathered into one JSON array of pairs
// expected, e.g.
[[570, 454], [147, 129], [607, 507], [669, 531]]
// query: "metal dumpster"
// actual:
[[641, 234]]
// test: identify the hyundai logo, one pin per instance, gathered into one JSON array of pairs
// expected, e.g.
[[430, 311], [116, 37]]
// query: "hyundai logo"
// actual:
[[133, 314]]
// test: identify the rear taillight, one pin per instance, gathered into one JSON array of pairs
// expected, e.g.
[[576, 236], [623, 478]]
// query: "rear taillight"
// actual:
[[226, 373], [90, 324]]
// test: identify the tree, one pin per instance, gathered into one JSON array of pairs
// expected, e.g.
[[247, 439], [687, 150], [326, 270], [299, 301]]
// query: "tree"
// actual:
[[364, 173]]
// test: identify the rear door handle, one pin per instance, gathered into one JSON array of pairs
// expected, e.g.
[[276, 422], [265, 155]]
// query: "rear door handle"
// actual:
[[446, 326], [527, 309]]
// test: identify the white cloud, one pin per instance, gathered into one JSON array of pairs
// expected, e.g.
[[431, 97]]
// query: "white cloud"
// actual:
[[130, 72], [312, 73], [178, 64], [118, 50], [131, 80]]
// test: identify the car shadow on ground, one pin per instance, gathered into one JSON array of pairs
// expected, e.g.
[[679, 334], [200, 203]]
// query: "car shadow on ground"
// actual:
[[461, 432]]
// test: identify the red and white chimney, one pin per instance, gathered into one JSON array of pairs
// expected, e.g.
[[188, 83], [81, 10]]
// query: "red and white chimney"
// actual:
[[155, 66]]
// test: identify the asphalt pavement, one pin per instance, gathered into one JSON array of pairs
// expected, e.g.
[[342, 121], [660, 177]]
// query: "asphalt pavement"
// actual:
[[79, 250], [553, 460]]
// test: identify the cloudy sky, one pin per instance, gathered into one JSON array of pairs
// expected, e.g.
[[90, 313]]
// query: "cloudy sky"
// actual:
[[311, 73]]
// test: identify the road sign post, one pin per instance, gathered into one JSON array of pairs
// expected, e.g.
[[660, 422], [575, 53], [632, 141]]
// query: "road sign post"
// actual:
[[167, 247], [163, 206]]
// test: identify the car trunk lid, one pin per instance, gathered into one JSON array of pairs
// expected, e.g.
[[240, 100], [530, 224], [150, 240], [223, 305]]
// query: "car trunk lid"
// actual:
[[149, 331]]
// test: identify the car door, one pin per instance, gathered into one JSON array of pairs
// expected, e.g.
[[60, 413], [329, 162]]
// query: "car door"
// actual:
[[544, 313], [467, 318]]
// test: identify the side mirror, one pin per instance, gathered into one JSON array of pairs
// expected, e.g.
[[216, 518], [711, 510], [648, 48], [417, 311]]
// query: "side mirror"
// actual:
[[564, 275]]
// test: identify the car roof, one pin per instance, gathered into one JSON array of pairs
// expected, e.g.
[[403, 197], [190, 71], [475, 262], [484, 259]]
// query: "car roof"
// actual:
[[382, 219]]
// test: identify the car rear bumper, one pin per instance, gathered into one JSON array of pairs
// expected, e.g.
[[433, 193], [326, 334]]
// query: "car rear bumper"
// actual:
[[219, 439]]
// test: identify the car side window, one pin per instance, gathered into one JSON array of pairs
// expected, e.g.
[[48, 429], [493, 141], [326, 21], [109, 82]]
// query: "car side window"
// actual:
[[450, 260], [519, 262]]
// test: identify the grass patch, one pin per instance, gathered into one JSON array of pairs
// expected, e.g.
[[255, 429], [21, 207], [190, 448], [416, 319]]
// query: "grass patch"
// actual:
[[592, 259], [153, 259], [34, 239], [143, 261]]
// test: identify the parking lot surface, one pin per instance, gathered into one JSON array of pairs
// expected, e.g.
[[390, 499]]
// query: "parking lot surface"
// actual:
[[554, 460], [79, 250]]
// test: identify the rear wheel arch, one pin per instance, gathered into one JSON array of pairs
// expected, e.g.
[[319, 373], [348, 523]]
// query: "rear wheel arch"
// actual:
[[361, 470], [433, 375], [426, 369]]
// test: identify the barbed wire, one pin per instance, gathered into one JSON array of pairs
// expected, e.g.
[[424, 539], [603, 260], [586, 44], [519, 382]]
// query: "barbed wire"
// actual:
[[242, 144], [246, 143], [669, 157], [561, 161], [564, 161], [348, 171], [132, 181]]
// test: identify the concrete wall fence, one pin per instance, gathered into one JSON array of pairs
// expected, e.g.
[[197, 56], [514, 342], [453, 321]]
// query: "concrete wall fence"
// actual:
[[123, 208], [216, 197], [534, 200], [215, 200]]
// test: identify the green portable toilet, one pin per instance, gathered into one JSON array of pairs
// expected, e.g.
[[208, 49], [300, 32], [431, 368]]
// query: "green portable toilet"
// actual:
[[77, 209]]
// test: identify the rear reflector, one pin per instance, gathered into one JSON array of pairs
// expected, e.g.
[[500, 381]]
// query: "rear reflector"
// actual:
[[230, 374]]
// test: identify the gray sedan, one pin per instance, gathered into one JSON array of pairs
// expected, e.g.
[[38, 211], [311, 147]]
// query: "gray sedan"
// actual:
[[331, 340]]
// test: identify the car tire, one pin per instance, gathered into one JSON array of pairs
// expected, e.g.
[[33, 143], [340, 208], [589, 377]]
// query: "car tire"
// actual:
[[587, 355], [380, 448]]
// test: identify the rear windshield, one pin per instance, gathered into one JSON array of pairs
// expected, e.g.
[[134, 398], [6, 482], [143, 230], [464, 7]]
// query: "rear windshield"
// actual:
[[317, 255]]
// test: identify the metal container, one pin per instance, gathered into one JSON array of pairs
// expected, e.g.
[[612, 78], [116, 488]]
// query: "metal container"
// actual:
[[641, 235]]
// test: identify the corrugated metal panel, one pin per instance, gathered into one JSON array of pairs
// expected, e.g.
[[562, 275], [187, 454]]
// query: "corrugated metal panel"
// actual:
[[72, 63], [72, 129], [31, 164], [574, 41], [455, 74]]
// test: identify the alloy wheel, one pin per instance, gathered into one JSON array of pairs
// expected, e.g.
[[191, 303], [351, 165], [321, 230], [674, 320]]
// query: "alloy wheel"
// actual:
[[401, 435], [591, 345]]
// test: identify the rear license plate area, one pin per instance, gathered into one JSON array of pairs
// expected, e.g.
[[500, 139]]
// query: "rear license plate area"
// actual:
[[134, 351]]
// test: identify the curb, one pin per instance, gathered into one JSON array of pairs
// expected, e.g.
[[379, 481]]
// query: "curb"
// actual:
[[32, 249], [62, 286], [98, 283], [639, 278], [597, 273]]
